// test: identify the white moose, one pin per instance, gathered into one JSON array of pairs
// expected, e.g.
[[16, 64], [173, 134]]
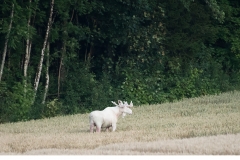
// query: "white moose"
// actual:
[[109, 116]]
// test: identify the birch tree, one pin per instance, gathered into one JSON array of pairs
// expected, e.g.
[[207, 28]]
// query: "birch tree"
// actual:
[[6, 43], [47, 74], [28, 40], [39, 70]]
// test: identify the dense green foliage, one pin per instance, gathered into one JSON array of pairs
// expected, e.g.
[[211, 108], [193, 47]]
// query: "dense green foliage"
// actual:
[[147, 51]]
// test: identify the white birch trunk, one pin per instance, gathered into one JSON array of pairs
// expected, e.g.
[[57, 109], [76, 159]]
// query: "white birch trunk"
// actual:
[[37, 78], [27, 55], [47, 75], [28, 43], [28, 50], [6, 44]]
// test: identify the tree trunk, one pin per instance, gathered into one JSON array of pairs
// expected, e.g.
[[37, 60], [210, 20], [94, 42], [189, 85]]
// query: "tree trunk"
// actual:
[[37, 78], [6, 43], [47, 75], [88, 54], [61, 71], [61, 67], [28, 41], [28, 50]]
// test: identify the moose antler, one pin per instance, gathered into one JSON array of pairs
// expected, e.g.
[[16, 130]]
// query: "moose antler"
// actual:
[[114, 103]]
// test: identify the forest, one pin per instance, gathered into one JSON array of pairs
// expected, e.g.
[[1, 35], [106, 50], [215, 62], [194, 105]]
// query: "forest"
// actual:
[[60, 57]]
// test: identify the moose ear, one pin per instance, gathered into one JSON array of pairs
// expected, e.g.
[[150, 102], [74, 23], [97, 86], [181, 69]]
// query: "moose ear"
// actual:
[[120, 102], [131, 104]]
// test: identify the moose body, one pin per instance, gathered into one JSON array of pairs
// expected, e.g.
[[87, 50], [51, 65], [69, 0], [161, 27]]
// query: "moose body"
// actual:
[[108, 117]]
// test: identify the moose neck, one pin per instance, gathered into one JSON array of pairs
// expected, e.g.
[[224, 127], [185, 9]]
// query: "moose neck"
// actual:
[[118, 111]]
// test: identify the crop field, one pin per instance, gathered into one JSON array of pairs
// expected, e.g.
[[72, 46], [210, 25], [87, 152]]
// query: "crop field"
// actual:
[[208, 125]]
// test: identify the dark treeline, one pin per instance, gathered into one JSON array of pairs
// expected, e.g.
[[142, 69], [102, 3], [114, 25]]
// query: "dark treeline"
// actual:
[[73, 56]]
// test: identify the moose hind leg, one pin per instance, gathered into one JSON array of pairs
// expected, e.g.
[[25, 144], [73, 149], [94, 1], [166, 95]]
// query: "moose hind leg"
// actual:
[[91, 127]]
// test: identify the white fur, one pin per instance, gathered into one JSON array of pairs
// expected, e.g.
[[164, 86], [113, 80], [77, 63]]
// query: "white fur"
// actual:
[[108, 117]]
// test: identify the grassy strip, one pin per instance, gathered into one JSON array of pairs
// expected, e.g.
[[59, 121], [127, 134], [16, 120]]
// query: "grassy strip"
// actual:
[[197, 117]]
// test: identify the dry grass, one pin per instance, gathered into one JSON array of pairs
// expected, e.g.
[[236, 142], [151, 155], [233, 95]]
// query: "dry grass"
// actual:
[[205, 125], [213, 145]]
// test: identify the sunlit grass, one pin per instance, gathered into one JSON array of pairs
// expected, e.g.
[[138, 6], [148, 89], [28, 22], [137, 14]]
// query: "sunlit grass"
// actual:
[[150, 125]]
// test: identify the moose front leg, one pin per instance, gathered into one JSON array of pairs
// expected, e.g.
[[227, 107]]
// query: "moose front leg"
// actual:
[[98, 129], [114, 126]]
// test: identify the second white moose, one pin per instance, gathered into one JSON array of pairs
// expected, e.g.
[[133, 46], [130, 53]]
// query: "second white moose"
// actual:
[[109, 116]]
